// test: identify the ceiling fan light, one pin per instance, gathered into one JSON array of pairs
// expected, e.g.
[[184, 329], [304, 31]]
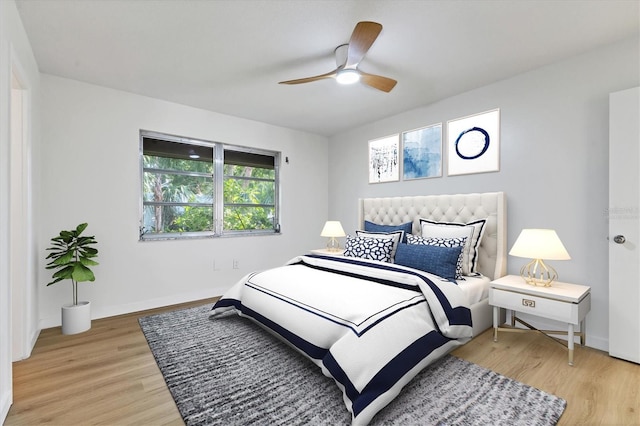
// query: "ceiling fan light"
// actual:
[[348, 76]]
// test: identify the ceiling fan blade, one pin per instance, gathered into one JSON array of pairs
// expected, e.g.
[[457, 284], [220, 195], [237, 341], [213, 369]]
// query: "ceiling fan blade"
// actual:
[[377, 81], [363, 36], [310, 79]]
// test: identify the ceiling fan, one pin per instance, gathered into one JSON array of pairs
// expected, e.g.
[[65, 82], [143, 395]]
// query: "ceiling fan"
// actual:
[[349, 56]]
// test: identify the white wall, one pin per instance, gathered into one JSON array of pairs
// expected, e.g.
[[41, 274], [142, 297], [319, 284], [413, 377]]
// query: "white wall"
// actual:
[[16, 57], [91, 173], [554, 160]]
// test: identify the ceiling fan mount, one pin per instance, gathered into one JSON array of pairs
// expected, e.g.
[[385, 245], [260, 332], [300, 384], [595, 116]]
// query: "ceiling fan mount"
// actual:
[[341, 53], [345, 75], [349, 56]]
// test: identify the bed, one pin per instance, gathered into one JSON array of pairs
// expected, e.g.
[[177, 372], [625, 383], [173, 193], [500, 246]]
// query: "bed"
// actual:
[[375, 317], [459, 208]]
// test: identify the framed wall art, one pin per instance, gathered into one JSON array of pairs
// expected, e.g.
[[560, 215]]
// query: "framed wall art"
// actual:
[[422, 152], [384, 159], [473, 143]]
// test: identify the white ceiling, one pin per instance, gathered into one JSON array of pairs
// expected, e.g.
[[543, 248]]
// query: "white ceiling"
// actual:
[[227, 56]]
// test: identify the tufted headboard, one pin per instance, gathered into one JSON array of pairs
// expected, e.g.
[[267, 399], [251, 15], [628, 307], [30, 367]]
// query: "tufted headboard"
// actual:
[[462, 208]]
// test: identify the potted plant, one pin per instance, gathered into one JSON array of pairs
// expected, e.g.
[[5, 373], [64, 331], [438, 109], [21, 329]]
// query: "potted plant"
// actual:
[[71, 256]]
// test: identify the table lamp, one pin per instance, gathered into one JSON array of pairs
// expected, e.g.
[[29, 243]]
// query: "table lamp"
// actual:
[[539, 245], [332, 229]]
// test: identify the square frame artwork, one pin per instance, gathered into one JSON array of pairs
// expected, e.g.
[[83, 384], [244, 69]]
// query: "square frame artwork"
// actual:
[[384, 159], [422, 152], [473, 143]]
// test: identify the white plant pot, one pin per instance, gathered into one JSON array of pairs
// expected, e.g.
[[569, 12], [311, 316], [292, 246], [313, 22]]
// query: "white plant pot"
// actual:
[[76, 318]]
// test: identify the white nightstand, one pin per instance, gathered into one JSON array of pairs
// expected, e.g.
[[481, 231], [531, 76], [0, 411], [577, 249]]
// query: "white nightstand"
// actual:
[[327, 252], [564, 302]]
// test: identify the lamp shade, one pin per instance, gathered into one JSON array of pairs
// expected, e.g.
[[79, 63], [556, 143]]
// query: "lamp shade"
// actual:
[[539, 244], [332, 228]]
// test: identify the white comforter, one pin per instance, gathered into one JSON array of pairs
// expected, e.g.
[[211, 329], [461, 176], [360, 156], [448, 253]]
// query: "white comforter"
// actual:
[[370, 326]]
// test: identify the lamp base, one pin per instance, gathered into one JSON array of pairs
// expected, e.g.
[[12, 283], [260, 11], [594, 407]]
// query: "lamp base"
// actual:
[[333, 245], [537, 273]]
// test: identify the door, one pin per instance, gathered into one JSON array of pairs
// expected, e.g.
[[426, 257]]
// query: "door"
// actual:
[[624, 229]]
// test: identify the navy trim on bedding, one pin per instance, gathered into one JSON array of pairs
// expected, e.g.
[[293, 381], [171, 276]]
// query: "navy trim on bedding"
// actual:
[[397, 368], [389, 374], [361, 276], [308, 348], [457, 316], [343, 321], [400, 365]]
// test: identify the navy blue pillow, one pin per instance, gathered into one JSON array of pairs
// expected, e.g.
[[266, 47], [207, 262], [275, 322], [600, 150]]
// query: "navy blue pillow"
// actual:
[[441, 261], [374, 227]]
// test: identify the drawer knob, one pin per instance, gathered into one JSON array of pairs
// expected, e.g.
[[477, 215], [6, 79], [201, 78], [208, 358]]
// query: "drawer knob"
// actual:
[[529, 303]]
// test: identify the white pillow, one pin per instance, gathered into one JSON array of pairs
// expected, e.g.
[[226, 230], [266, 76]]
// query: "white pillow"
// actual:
[[473, 231], [395, 236]]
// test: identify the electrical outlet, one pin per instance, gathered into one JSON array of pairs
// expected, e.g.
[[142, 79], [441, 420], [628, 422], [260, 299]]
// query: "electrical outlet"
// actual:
[[236, 264]]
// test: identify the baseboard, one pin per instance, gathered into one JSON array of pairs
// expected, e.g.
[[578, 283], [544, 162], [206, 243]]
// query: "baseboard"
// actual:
[[143, 305], [597, 342], [31, 343], [33, 340], [5, 405]]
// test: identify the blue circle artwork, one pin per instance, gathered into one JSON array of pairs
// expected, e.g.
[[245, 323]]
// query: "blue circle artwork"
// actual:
[[472, 143]]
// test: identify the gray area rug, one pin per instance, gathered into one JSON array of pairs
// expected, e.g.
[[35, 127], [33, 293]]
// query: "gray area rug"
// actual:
[[229, 371]]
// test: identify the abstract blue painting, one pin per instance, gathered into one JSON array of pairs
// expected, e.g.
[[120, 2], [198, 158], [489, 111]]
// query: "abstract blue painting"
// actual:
[[422, 152]]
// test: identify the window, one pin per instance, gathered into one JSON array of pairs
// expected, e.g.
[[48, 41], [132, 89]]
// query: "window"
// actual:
[[196, 188]]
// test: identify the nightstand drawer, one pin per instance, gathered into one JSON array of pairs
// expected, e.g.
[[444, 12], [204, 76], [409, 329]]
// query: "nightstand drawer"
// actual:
[[558, 310], [326, 252]]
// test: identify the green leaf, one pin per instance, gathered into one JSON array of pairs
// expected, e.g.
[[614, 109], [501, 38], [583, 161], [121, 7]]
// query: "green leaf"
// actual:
[[88, 262], [52, 265], [90, 251], [81, 228], [82, 273], [54, 255], [84, 240], [55, 281], [65, 273], [65, 259]]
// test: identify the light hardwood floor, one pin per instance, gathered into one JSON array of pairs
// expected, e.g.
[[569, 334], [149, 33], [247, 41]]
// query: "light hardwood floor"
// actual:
[[108, 376]]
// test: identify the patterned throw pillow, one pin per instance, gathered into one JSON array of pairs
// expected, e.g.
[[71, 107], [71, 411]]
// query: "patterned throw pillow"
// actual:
[[395, 236], [369, 248], [443, 242]]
